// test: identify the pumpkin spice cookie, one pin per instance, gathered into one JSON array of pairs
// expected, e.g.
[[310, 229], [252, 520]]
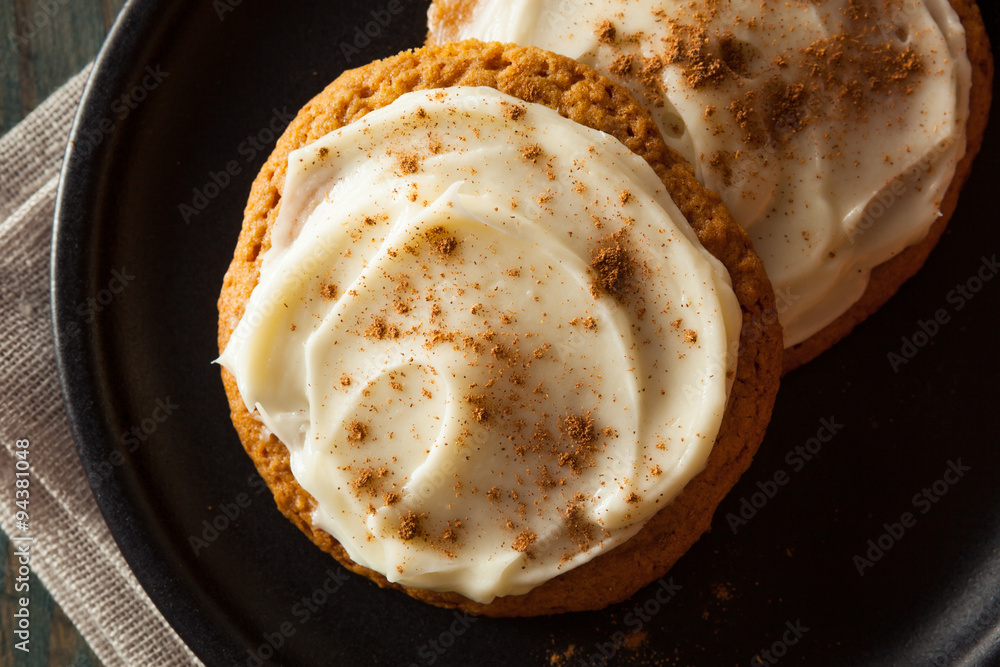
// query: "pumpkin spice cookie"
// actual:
[[487, 339], [839, 134]]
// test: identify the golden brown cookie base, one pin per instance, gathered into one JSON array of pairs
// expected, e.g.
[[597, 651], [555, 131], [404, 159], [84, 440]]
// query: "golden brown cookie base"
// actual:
[[447, 19], [579, 93]]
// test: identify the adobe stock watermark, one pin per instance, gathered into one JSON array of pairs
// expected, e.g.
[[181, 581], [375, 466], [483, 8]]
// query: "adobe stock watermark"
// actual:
[[433, 650], [911, 178], [223, 7], [260, 310], [957, 299], [226, 513], [131, 439], [120, 278], [88, 310], [794, 632], [42, 14], [796, 458], [21, 543], [894, 28], [635, 620], [922, 502], [898, 188], [89, 138], [300, 613], [562, 16], [217, 181], [363, 35]]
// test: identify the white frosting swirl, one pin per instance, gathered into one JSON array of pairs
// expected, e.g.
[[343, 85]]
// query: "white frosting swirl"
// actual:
[[845, 172], [474, 397]]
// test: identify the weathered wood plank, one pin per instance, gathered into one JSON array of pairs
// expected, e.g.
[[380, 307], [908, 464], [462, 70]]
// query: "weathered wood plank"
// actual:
[[62, 38], [10, 91], [54, 641], [25, 68], [6, 605], [42, 607], [45, 43], [66, 647]]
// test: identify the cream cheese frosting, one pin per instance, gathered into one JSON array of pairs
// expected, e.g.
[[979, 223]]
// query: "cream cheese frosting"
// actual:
[[830, 129], [489, 340]]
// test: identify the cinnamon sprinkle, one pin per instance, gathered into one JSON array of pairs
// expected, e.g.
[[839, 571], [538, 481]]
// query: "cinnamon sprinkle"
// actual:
[[531, 152], [622, 65], [613, 265], [581, 532], [367, 480], [410, 526], [442, 244], [513, 111], [523, 541], [579, 428], [379, 330], [408, 163], [357, 431], [606, 32]]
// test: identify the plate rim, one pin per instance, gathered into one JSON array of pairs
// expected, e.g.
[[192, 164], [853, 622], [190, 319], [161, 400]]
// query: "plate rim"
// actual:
[[73, 346], [79, 175]]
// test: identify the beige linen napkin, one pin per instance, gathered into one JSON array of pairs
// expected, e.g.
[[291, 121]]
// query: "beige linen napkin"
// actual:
[[72, 552]]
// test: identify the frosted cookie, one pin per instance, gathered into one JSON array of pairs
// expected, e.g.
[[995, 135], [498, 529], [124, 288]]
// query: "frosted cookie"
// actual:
[[487, 339], [839, 133]]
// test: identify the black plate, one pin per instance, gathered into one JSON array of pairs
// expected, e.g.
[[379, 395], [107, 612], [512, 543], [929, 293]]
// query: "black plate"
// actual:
[[182, 110]]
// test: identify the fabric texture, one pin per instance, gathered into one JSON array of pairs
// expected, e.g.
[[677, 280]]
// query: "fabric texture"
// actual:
[[72, 552]]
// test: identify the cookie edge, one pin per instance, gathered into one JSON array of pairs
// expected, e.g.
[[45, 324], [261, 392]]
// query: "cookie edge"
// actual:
[[673, 530]]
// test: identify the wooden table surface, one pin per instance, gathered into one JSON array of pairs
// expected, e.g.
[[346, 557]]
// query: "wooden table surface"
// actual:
[[45, 42]]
